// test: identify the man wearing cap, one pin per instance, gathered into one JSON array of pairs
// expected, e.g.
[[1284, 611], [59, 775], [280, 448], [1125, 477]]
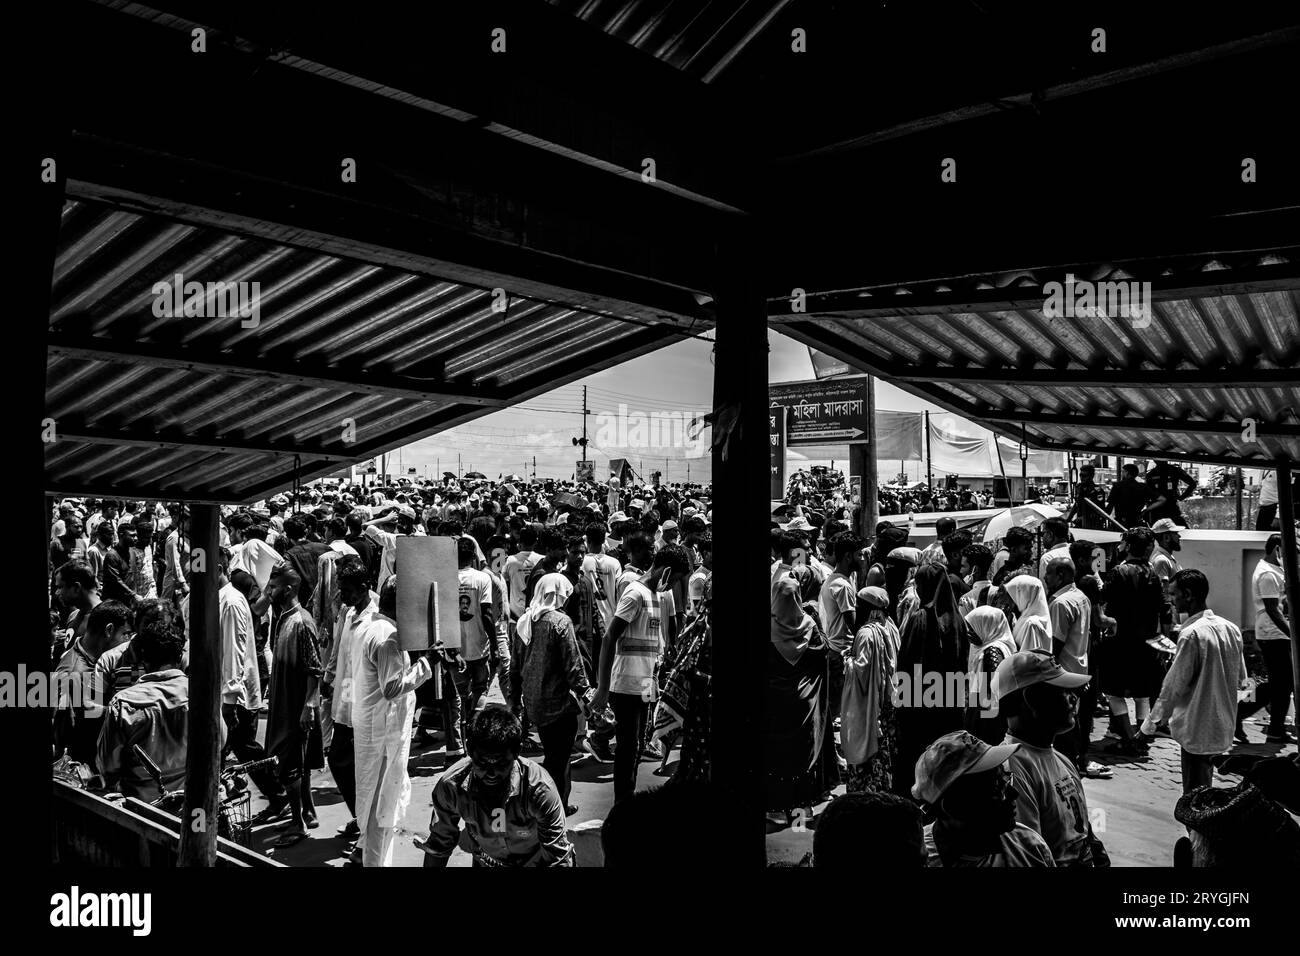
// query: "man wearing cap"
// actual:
[[1163, 562], [974, 799], [1039, 699], [1199, 694]]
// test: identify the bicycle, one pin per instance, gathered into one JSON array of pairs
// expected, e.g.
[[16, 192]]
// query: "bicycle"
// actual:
[[234, 800]]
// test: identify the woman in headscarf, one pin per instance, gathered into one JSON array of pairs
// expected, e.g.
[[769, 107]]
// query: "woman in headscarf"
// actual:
[[1033, 629], [553, 678], [867, 729], [799, 772], [900, 565], [933, 651], [990, 644]]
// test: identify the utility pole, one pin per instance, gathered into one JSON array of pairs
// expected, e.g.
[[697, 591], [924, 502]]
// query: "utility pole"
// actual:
[[585, 411], [534, 467]]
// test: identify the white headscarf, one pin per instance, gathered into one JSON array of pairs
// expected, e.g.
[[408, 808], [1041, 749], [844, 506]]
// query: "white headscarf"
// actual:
[[989, 625], [1033, 630], [551, 594]]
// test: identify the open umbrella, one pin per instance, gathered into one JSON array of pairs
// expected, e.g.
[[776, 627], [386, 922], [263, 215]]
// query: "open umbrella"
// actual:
[[475, 474], [449, 474], [1028, 516], [512, 478]]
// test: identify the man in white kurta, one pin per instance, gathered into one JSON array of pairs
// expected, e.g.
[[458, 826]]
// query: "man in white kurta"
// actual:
[[383, 697]]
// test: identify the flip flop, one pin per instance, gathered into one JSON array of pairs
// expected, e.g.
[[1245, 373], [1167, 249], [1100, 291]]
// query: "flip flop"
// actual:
[[1099, 772], [292, 838]]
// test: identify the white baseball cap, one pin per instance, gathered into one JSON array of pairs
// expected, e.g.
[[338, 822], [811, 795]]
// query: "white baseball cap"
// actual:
[[1026, 668]]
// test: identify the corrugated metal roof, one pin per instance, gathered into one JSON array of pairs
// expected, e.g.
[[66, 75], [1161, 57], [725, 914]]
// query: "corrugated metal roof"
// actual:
[[701, 37], [208, 409], [1182, 381]]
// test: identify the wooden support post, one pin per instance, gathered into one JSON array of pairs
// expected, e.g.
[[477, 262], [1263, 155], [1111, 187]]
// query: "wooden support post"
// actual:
[[862, 463], [1290, 563], [203, 739], [741, 467]]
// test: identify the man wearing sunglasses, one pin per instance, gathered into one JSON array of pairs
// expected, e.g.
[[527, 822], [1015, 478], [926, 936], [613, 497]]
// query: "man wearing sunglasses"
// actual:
[[973, 797], [512, 811]]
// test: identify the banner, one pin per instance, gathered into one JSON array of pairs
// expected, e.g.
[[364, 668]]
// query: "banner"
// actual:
[[776, 437], [978, 457], [428, 592], [620, 469], [585, 470]]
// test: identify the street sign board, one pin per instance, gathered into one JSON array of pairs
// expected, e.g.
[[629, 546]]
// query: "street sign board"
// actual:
[[776, 419], [833, 411]]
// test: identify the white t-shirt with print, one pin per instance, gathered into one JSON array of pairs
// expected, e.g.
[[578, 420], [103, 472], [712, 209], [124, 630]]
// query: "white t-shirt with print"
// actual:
[[647, 614]]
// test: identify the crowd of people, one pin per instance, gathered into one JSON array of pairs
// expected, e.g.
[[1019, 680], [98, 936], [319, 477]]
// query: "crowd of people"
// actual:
[[964, 678], [587, 604], [1135, 499], [951, 689]]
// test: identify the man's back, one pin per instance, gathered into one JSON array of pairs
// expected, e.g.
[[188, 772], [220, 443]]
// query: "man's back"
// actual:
[[1135, 598], [1071, 613], [1050, 799], [154, 713], [1127, 501]]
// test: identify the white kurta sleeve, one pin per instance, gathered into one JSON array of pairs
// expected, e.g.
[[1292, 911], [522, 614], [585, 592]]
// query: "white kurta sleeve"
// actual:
[[396, 675]]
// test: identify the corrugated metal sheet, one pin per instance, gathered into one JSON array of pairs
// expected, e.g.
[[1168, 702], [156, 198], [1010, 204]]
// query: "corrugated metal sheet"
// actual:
[[1154, 406], [700, 37], [138, 420]]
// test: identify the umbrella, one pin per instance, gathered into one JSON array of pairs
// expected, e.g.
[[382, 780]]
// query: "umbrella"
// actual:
[[449, 474], [1029, 516], [513, 478], [475, 474]]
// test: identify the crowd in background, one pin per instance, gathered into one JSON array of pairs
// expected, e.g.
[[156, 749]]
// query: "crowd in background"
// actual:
[[584, 604], [1039, 631]]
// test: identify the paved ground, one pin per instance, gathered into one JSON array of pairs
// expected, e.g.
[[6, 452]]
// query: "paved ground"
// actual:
[[593, 794], [1133, 813]]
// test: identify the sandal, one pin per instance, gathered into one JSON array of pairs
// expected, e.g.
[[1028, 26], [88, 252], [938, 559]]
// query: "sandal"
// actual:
[[1099, 771], [292, 838]]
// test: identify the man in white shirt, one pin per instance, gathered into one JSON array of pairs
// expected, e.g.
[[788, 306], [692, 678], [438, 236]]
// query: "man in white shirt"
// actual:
[[1199, 693], [643, 627], [1168, 543], [384, 681], [1071, 614], [1056, 544], [241, 691], [602, 570], [1273, 632], [697, 585], [384, 531], [358, 606], [477, 627], [1266, 517], [518, 567]]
